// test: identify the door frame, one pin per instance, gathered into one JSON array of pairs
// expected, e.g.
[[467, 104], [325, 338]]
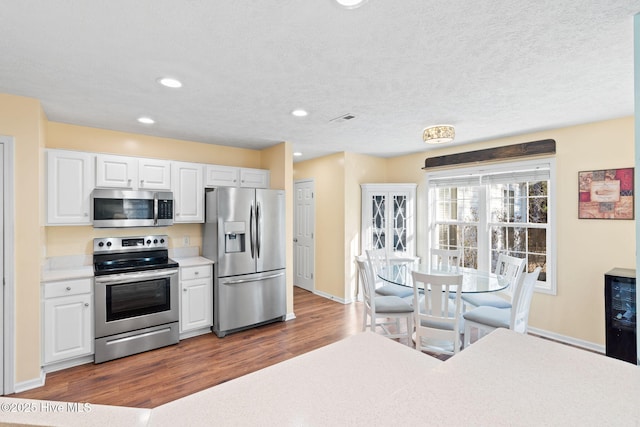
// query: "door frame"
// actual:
[[7, 333], [295, 219]]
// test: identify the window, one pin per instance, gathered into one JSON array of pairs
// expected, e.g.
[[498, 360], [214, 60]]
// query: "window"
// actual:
[[487, 211]]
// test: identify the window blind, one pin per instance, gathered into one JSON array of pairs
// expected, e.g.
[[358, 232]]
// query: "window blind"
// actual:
[[477, 177]]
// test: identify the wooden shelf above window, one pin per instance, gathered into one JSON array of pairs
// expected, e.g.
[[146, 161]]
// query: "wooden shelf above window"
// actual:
[[534, 148]]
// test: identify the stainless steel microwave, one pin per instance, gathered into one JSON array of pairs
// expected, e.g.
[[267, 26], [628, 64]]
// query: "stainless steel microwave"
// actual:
[[128, 208]]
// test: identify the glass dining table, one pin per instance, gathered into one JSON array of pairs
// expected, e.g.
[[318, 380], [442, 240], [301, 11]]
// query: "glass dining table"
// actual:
[[473, 281]]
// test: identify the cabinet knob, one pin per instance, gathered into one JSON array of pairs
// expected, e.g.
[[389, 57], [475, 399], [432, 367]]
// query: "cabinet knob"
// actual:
[[86, 214], [184, 290], [86, 304], [196, 272], [141, 182], [68, 288]]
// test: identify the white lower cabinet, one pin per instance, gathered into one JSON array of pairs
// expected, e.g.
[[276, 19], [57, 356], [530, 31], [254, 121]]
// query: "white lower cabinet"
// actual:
[[196, 300], [67, 319]]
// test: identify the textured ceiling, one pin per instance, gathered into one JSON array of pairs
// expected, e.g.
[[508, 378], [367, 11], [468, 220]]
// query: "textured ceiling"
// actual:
[[490, 68]]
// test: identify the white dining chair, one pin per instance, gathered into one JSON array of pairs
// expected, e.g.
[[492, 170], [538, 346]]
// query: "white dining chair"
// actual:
[[378, 259], [391, 309], [444, 259], [485, 319], [508, 268], [438, 318]]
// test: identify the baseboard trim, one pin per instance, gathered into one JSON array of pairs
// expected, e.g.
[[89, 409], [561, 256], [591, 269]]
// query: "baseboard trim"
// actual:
[[58, 366], [30, 384], [290, 316], [195, 333], [587, 345], [331, 297]]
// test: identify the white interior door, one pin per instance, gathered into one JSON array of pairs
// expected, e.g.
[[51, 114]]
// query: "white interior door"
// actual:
[[304, 235]]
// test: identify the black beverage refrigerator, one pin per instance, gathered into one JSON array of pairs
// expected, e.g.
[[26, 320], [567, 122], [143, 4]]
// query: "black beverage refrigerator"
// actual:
[[620, 314]]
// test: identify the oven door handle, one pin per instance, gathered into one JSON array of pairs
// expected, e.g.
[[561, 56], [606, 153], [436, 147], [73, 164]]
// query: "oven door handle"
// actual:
[[132, 277]]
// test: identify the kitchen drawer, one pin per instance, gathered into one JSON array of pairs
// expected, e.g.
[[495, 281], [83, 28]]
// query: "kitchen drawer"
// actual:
[[68, 287], [196, 272]]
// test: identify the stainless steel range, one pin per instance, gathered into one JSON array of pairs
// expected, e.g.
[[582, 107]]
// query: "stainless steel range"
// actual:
[[136, 296]]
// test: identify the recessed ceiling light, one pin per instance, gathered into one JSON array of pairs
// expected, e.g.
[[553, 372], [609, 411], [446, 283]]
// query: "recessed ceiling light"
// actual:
[[351, 4], [170, 82], [146, 120], [299, 113], [297, 154]]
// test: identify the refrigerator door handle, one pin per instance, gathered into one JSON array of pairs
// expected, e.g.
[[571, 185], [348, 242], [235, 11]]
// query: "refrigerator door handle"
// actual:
[[251, 237], [258, 221], [235, 282]]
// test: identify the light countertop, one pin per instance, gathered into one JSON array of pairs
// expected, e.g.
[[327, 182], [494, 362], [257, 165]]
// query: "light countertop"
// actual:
[[193, 261], [504, 379]]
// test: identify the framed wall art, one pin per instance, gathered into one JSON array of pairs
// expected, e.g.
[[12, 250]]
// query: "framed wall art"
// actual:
[[606, 194]]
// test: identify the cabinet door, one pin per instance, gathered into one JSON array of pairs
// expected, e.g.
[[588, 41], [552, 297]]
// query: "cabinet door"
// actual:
[[69, 185], [188, 192], [154, 174], [196, 306], [116, 171], [388, 218], [222, 176], [68, 327], [254, 178]]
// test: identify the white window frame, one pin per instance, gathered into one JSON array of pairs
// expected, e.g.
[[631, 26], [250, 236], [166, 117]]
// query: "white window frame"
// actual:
[[475, 173]]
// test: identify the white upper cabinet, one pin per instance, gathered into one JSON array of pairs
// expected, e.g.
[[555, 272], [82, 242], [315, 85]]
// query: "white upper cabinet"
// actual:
[[389, 218], [222, 176], [229, 176], [188, 192], [254, 178], [132, 173], [154, 174], [116, 171], [69, 185]]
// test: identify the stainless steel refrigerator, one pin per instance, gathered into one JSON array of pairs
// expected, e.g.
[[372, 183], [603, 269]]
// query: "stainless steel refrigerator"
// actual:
[[244, 234]]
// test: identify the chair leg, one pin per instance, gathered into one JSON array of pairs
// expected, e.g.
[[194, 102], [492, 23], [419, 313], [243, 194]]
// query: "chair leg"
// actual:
[[364, 319], [467, 336]]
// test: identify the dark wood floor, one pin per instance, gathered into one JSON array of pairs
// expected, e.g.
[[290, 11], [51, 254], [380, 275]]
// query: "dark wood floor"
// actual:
[[153, 378]]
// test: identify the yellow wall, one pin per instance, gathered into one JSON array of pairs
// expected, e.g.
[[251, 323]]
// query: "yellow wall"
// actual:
[[359, 169], [337, 191], [82, 138], [22, 118], [328, 173]]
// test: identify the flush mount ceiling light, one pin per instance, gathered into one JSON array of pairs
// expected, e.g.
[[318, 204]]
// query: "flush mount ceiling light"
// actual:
[[351, 4], [439, 134], [299, 113], [170, 82], [297, 154], [146, 120]]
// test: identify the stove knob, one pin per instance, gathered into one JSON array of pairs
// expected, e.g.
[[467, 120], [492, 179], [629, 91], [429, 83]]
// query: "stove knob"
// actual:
[[155, 241], [108, 244], [101, 244], [149, 242], [161, 240]]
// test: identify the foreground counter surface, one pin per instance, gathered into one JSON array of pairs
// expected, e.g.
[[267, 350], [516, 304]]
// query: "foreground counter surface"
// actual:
[[503, 379]]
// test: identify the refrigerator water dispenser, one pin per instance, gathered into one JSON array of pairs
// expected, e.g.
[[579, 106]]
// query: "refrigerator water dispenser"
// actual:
[[234, 236]]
